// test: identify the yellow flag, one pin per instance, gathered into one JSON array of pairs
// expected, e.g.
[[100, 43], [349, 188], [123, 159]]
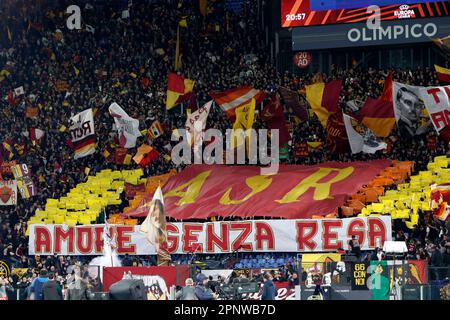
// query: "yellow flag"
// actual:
[[183, 22], [9, 34], [245, 116], [127, 159], [76, 70], [62, 128], [314, 93]]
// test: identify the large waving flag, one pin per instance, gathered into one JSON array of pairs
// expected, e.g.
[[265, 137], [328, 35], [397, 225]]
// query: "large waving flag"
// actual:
[[154, 226], [82, 131], [196, 122], [443, 74], [273, 115], [378, 114], [292, 102], [324, 99], [127, 127], [232, 99], [360, 138], [179, 90]]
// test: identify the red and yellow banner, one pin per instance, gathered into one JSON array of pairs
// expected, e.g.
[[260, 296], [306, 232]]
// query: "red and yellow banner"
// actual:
[[295, 192]]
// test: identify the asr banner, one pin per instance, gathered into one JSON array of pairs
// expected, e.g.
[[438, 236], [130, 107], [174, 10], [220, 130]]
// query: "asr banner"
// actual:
[[307, 235], [295, 192]]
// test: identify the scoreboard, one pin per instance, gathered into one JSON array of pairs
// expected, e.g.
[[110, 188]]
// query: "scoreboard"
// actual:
[[302, 13]]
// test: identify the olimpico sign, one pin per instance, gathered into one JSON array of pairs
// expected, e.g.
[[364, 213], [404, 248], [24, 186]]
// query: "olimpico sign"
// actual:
[[417, 30]]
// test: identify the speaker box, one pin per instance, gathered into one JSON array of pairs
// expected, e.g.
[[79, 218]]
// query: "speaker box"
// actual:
[[128, 289]]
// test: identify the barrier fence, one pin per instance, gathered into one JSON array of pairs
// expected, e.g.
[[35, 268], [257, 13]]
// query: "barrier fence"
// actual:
[[327, 280]]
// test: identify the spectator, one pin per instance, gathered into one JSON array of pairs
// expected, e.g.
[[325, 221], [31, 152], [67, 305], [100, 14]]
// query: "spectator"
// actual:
[[202, 291], [38, 283], [51, 289], [436, 263], [269, 290], [355, 247], [187, 292]]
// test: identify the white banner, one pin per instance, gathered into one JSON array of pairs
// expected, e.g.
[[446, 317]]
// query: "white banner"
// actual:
[[82, 133], [8, 192], [196, 122], [127, 127], [360, 138], [308, 235], [408, 110], [437, 102]]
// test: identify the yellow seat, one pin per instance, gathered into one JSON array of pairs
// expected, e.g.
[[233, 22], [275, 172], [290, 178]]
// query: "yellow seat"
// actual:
[[59, 219], [71, 222], [84, 220], [402, 214]]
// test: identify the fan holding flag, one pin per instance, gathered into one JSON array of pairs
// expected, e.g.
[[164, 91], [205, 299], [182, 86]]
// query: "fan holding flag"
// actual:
[[155, 228]]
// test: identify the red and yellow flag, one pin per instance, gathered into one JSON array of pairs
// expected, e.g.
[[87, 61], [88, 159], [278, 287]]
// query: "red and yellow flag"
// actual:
[[443, 74], [179, 89], [378, 116], [324, 98]]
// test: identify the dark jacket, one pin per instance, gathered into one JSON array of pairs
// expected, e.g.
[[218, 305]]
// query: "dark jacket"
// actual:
[[187, 293], [203, 293], [436, 259], [51, 290], [36, 287], [269, 291]]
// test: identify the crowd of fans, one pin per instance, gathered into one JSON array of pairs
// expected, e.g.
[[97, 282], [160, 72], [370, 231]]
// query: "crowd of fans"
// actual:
[[219, 51]]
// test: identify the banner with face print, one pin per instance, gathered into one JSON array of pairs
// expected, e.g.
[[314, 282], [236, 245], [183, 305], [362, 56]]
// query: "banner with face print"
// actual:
[[409, 110]]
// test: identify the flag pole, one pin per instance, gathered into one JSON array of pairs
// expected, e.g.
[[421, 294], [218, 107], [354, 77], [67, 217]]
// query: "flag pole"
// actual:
[[110, 247]]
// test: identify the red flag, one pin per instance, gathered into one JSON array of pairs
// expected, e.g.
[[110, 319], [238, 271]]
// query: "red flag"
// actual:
[[337, 140], [292, 101], [11, 100], [148, 158], [387, 90], [273, 115]]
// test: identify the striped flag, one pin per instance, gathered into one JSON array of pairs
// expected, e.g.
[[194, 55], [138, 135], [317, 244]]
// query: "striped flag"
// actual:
[[231, 99], [82, 131], [443, 74], [155, 130]]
